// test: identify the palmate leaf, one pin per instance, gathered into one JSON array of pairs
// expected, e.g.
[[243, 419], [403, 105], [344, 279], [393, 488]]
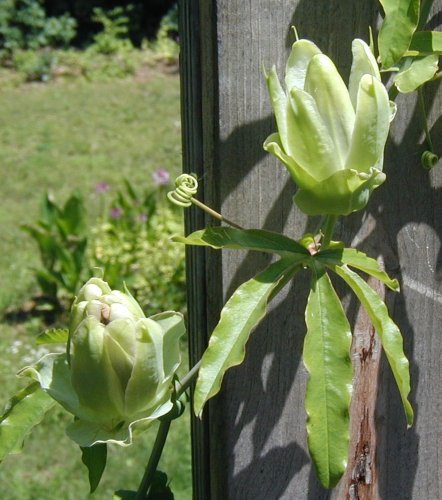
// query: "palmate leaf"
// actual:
[[401, 20], [24, 411], [359, 260], [94, 458], [326, 357], [389, 333], [245, 239], [242, 312]]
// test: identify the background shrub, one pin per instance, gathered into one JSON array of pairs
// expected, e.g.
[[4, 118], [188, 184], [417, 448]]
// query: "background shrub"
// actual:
[[25, 25]]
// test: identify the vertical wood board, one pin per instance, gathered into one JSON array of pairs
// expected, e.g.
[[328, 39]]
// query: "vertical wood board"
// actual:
[[252, 442]]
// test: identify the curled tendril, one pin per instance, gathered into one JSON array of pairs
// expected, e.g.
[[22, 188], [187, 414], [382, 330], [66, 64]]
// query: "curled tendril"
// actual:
[[186, 186], [429, 160]]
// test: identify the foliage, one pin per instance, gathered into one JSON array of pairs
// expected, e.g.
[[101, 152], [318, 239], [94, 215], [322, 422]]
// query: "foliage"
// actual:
[[60, 234], [25, 25], [112, 39], [62, 129], [132, 245], [165, 45], [327, 342], [33, 65]]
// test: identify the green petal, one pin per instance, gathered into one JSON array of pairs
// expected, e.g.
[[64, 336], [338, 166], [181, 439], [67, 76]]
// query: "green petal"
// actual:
[[325, 85], [93, 376], [344, 192], [86, 433], [297, 63], [53, 374], [172, 325], [364, 63], [281, 108], [311, 145], [148, 370], [301, 177], [120, 345], [371, 126]]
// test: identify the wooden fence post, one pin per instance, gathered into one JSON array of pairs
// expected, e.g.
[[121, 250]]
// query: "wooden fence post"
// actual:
[[251, 443]]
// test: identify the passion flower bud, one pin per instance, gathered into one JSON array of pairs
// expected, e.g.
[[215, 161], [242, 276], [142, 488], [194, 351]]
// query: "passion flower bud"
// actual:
[[330, 138], [119, 365]]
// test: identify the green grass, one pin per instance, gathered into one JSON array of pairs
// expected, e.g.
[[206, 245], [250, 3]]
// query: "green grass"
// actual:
[[63, 137]]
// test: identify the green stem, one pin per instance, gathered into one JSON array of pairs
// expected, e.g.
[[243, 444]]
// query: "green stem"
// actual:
[[154, 458], [187, 380], [327, 230], [214, 214], [161, 438], [424, 119]]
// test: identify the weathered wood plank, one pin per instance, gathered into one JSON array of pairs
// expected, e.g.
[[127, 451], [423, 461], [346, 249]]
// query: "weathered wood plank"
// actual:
[[252, 442]]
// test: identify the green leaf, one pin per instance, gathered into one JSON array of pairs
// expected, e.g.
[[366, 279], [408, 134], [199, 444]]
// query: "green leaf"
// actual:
[[94, 458], [327, 359], [53, 336], [417, 72], [24, 411], [358, 260], [245, 239], [388, 332], [242, 312], [426, 42], [401, 20]]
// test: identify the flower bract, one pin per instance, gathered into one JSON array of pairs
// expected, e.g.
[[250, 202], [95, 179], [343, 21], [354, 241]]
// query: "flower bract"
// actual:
[[330, 137], [116, 374]]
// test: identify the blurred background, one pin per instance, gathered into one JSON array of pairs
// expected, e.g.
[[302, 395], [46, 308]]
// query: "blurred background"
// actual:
[[89, 145]]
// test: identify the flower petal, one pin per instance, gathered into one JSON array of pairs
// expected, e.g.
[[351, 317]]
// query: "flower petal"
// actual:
[[281, 108], [148, 369], [372, 123], [92, 374], [341, 194], [311, 145], [302, 178], [53, 374], [364, 63], [172, 325], [325, 85], [86, 433], [297, 63]]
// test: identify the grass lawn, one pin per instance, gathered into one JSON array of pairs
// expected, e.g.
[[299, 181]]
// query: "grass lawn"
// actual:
[[62, 137]]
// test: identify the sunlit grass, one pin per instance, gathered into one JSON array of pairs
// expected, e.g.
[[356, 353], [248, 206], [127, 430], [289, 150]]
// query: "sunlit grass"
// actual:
[[63, 137]]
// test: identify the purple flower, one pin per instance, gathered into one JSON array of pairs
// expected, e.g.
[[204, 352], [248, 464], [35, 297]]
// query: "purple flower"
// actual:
[[142, 217], [102, 187], [116, 212], [161, 177]]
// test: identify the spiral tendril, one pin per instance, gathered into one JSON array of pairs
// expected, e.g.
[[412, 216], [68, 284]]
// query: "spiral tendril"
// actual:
[[429, 160], [186, 186]]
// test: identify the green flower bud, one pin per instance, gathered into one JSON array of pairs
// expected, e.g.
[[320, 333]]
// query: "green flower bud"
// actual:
[[330, 138], [119, 368]]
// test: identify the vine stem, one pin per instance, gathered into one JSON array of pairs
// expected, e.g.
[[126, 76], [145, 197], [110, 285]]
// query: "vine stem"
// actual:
[[424, 119], [327, 230], [160, 440], [213, 213]]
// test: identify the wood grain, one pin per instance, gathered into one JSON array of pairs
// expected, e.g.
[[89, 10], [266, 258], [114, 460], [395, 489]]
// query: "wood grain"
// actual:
[[252, 443]]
